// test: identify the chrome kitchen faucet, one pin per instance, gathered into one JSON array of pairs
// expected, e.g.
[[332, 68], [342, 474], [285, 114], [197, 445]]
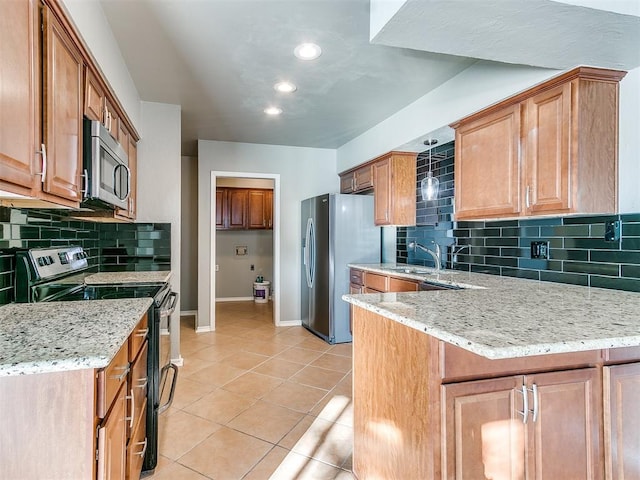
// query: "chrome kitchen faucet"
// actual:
[[435, 255]]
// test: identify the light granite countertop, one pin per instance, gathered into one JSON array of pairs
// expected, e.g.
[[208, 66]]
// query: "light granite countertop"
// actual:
[[504, 317], [59, 336], [161, 276]]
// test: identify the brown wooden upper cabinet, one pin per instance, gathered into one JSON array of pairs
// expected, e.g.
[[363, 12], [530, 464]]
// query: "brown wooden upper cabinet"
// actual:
[[44, 166], [551, 149], [244, 209], [393, 178], [44, 64]]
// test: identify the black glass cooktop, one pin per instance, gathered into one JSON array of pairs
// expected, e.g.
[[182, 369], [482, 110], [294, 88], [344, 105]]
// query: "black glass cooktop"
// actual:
[[103, 292]]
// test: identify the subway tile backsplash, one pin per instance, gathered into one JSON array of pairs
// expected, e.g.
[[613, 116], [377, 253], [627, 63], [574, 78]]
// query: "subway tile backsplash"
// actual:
[[110, 246], [578, 252]]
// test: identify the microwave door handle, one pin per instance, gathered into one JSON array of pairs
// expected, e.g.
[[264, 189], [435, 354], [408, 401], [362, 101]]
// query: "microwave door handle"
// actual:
[[128, 182]]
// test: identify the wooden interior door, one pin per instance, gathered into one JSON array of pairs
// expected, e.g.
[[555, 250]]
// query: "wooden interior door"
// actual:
[[547, 150], [565, 439], [63, 70], [487, 166], [622, 421], [19, 127], [484, 436]]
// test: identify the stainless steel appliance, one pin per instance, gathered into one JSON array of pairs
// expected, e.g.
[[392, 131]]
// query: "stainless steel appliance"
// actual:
[[57, 274], [336, 230], [107, 178]]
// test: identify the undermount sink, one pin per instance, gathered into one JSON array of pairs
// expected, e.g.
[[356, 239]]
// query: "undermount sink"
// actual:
[[420, 270]]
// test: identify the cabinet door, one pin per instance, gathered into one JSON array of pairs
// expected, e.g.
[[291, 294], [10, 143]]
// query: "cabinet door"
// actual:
[[268, 208], [402, 285], [238, 199], [257, 208], [63, 71], [93, 98], [565, 439], [346, 183], [483, 435], [19, 128], [221, 208], [112, 121], [487, 166], [112, 442], [546, 155], [382, 194], [622, 422], [363, 178]]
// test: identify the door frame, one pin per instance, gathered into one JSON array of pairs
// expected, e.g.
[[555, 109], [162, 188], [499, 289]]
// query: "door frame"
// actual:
[[276, 242]]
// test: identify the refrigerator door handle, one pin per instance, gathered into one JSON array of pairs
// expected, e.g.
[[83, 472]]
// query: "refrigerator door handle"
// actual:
[[309, 254]]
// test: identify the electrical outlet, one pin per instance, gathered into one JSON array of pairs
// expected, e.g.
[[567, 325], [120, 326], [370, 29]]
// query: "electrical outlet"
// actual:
[[217, 268], [612, 231], [540, 250], [253, 267]]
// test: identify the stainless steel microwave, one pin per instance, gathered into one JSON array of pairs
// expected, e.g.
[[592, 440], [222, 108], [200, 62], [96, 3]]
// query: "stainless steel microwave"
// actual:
[[107, 178]]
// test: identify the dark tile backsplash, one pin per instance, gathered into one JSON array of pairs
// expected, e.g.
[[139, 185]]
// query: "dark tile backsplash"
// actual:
[[110, 246], [578, 252]]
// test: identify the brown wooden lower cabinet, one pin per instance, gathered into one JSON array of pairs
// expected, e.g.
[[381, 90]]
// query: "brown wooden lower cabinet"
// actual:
[[77, 424], [568, 417], [622, 421]]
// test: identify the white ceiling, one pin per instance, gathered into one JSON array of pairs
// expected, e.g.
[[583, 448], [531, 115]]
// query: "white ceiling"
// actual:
[[219, 59]]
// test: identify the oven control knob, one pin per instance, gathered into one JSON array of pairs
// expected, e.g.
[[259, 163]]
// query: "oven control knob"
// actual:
[[64, 259], [48, 260], [41, 261]]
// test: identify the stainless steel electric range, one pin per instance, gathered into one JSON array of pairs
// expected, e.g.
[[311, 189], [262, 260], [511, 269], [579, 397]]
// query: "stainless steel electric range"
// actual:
[[59, 274]]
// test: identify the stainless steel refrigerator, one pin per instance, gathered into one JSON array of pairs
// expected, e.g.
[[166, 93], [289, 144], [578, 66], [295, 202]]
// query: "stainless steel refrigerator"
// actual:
[[336, 230]]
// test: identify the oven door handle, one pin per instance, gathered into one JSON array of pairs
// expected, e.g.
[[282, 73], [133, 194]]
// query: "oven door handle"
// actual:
[[172, 299], [163, 380]]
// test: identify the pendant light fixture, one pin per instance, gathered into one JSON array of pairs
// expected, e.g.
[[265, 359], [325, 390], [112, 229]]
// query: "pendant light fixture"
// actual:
[[429, 186]]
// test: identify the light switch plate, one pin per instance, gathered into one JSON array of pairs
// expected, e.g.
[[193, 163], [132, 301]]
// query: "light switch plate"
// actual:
[[241, 250], [540, 250], [612, 231]]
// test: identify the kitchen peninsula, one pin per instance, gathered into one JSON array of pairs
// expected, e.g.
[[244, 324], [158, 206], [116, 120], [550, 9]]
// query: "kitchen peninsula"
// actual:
[[64, 367], [531, 379]]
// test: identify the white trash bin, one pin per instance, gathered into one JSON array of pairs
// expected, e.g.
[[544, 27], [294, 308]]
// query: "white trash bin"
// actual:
[[261, 292]]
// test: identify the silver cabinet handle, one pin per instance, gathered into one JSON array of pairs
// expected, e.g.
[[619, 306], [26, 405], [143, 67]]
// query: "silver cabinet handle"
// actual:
[[142, 333], [526, 196], [143, 385], [43, 152], [525, 404], [536, 402], [144, 448], [133, 408], [122, 375], [85, 188]]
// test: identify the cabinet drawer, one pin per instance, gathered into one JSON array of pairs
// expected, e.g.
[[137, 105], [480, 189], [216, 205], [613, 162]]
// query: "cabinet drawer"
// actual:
[[356, 277], [137, 393], [138, 337], [621, 355], [402, 285], [376, 281], [137, 447], [459, 364], [110, 379]]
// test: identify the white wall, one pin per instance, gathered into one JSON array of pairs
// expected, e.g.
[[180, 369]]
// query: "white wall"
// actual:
[[304, 173], [189, 235], [235, 277], [89, 18], [477, 87], [158, 193]]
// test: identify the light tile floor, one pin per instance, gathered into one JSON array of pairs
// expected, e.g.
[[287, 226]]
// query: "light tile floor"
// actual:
[[256, 402]]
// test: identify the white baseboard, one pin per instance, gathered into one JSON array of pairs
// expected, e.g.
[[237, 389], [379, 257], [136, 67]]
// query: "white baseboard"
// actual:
[[178, 361], [206, 328], [289, 323], [164, 331], [234, 299], [188, 313]]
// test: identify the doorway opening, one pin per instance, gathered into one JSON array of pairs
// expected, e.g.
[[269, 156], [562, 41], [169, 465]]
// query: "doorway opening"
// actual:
[[245, 248]]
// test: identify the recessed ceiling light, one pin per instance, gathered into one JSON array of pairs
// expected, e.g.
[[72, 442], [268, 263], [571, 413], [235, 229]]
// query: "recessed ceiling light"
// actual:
[[273, 111], [307, 51], [285, 87]]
